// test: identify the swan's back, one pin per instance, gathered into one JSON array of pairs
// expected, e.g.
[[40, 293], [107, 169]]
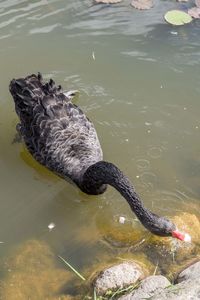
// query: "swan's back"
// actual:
[[56, 132]]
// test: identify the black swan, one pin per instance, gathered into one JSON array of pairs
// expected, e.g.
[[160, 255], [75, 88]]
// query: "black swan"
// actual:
[[60, 136]]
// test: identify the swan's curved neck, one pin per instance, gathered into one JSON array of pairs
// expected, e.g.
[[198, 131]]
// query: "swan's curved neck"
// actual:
[[96, 178]]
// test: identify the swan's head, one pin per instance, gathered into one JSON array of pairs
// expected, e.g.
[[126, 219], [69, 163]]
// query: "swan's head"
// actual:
[[164, 227]]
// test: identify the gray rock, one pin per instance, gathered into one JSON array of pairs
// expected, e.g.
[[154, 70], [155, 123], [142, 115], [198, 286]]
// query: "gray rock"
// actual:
[[186, 290], [118, 276], [147, 288], [191, 272]]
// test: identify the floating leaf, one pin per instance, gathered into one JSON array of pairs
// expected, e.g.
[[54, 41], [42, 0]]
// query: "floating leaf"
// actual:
[[142, 4], [197, 2], [108, 1], [194, 12], [177, 17]]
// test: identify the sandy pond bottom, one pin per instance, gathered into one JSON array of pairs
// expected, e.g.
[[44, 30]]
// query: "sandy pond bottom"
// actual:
[[33, 271]]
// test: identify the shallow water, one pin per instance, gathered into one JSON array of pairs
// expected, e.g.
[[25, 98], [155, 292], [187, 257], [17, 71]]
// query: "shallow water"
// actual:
[[139, 83]]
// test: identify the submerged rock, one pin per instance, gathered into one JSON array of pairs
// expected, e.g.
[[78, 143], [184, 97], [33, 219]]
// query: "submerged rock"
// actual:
[[190, 272], [147, 288], [118, 233], [158, 287], [118, 276], [189, 289]]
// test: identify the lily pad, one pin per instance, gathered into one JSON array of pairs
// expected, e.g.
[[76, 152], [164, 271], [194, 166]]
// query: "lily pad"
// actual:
[[177, 17], [142, 4], [108, 1], [194, 12]]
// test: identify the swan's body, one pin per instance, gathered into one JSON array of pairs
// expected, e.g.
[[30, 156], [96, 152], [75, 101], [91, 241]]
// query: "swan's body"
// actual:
[[59, 135], [56, 132]]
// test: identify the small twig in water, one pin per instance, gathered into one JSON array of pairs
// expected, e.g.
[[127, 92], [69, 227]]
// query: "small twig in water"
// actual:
[[74, 270], [95, 294], [154, 273]]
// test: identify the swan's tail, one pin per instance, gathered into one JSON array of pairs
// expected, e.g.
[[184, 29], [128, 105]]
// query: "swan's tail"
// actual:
[[28, 91]]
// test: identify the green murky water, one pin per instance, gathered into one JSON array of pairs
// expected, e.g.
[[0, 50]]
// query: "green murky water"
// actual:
[[139, 83]]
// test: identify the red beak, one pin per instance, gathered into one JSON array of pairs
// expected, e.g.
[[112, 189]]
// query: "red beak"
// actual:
[[181, 236], [177, 234]]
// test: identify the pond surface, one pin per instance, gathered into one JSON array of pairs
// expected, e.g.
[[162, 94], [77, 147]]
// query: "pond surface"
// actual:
[[139, 83]]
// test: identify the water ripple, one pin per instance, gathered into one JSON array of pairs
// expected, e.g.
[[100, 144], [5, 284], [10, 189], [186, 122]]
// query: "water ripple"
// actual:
[[13, 20], [155, 152], [143, 164], [49, 14], [44, 29]]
